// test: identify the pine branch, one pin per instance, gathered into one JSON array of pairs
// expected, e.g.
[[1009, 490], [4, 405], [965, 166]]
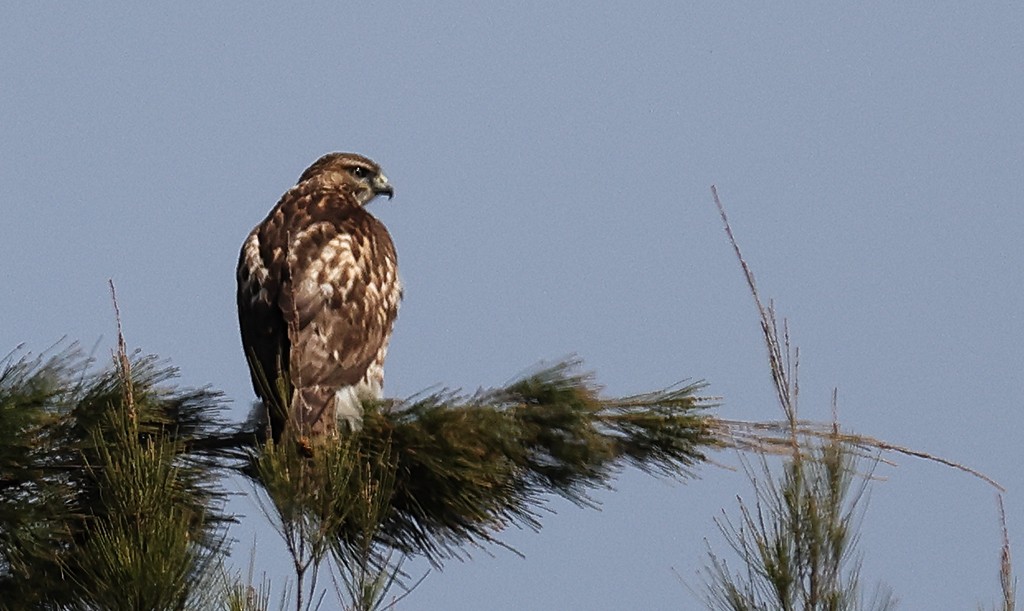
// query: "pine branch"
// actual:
[[98, 499], [463, 467]]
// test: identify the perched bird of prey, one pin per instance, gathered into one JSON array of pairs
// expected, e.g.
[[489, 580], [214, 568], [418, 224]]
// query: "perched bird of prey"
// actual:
[[318, 293]]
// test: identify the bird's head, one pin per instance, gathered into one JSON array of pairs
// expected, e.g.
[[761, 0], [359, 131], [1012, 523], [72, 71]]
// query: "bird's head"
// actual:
[[362, 175]]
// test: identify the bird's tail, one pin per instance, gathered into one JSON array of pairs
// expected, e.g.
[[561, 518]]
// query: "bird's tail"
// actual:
[[318, 411], [312, 411]]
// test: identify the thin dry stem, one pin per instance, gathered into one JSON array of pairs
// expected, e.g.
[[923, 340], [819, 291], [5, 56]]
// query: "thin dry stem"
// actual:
[[124, 365], [1006, 580], [784, 361], [775, 437]]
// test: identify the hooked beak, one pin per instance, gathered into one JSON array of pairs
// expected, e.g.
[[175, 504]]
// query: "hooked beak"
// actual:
[[381, 186]]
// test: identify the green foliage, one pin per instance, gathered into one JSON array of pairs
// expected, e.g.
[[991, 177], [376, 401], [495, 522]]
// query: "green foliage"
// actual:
[[443, 472], [101, 507], [467, 466], [108, 494], [316, 495], [796, 544]]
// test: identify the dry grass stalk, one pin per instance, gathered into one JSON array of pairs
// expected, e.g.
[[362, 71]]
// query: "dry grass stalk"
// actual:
[[772, 437]]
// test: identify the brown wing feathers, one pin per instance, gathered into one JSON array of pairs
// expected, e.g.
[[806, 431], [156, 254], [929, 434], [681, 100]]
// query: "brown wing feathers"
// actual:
[[318, 295]]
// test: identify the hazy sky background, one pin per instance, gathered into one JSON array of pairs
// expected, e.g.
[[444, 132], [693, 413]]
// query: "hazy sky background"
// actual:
[[552, 165]]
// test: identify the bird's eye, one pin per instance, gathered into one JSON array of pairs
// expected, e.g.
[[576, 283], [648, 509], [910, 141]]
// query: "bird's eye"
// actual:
[[359, 172]]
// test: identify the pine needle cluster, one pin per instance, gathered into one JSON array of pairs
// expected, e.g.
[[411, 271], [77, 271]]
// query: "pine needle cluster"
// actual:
[[460, 468], [108, 479], [797, 542], [100, 505]]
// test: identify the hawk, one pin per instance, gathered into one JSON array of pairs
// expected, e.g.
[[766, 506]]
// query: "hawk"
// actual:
[[318, 294]]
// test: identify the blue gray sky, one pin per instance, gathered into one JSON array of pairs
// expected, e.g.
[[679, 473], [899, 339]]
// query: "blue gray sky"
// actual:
[[552, 165]]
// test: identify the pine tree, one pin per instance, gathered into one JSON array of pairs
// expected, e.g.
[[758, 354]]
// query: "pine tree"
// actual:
[[109, 493], [101, 504]]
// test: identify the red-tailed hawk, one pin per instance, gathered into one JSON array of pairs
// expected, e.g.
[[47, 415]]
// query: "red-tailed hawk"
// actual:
[[318, 294]]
